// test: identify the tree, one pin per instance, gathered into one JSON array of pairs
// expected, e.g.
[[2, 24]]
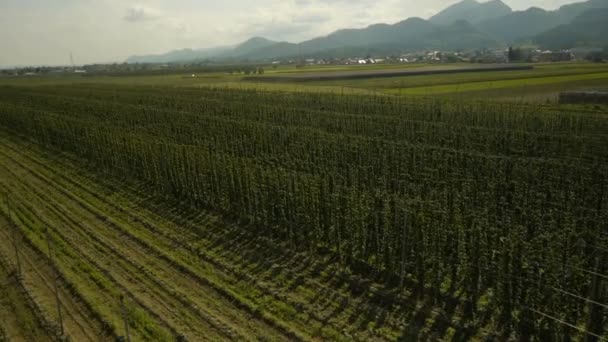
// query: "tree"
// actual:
[[515, 55], [596, 57]]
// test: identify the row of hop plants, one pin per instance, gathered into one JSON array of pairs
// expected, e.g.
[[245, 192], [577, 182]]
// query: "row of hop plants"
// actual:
[[506, 202]]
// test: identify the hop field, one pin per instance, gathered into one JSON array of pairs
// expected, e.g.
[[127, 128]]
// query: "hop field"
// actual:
[[233, 214]]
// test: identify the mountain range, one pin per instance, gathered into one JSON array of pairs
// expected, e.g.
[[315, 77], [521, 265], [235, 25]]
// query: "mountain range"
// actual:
[[468, 24], [471, 11], [587, 29]]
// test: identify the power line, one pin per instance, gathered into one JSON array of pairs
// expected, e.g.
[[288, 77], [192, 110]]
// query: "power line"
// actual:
[[581, 298], [567, 324], [590, 272]]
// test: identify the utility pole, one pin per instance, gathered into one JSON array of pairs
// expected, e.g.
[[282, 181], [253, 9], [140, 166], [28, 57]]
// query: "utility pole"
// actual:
[[15, 235], [124, 316], [51, 263], [300, 53], [72, 61]]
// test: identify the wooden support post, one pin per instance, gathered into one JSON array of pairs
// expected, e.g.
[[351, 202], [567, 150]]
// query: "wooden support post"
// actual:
[[15, 234], [56, 287], [125, 318]]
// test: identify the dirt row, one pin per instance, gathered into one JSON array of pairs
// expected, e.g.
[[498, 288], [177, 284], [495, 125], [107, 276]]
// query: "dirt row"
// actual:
[[184, 305], [296, 296], [37, 279], [156, 295], [19, 316], [383, 73], [319, 309]]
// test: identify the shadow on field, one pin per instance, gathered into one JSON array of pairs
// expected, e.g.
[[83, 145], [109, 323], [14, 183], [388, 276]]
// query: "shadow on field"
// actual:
[[323, 294]]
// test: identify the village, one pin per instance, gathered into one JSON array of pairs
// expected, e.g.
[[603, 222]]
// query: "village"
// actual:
[[490, 56], [483, 56]]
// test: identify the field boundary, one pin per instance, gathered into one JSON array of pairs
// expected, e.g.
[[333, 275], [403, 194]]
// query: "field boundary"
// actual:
[[15, 280], [352, 75]]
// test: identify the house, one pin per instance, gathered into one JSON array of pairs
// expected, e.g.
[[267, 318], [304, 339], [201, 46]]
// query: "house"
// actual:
[[561, 56]]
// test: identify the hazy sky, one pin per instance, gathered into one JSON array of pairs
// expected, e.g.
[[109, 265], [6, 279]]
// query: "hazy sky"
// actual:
[[36, 32]]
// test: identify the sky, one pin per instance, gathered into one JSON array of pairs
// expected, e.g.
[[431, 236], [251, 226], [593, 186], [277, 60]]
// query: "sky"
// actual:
[[45, 32]]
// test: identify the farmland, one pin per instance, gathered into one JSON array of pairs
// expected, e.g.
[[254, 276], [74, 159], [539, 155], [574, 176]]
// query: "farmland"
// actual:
[[388, 73], [542, 84], [242, 214]]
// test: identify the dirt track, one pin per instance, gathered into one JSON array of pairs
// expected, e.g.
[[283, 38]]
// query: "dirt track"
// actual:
[[188, 285], [37, 279], [351, 75], [178, 301]]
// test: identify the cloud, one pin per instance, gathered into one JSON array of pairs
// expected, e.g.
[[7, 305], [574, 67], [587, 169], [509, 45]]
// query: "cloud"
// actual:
[[45, 32], [429, 12], [139, 13], [312, 18]]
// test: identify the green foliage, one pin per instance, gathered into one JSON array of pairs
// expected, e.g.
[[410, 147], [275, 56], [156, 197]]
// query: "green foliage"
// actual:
[[140, 320], [488, 198], [517, 55]]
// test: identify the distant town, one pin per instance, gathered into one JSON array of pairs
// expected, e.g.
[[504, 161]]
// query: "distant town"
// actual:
[[488, 56]]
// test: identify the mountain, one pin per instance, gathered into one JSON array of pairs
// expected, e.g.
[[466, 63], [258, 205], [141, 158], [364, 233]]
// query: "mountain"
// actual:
[[250, 45], [587, 29], [526, 24], [471, 11], [567, 13], [378, 39], [188, 55], [521, 24], [466, 25], [184, 55], [383, 39], [460, 35], [352, 40], [378, 34], [277, 50]]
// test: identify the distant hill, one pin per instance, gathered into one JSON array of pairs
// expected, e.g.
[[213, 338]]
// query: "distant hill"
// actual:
[[471, 11], [350, 40], [521, 24], [533, 21], [383, 39], [569, 12], [588, 29], [250, 45], [187, 55], [468, 24], [375, 35], [184, 55], [276, 50]]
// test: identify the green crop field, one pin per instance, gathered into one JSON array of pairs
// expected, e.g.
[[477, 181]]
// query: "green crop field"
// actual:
[[176, 208], [540, 85]]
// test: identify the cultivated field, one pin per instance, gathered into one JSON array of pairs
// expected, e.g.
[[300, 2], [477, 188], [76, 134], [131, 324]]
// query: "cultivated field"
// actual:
[[543, 84], [387, 73], [241, 214]]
